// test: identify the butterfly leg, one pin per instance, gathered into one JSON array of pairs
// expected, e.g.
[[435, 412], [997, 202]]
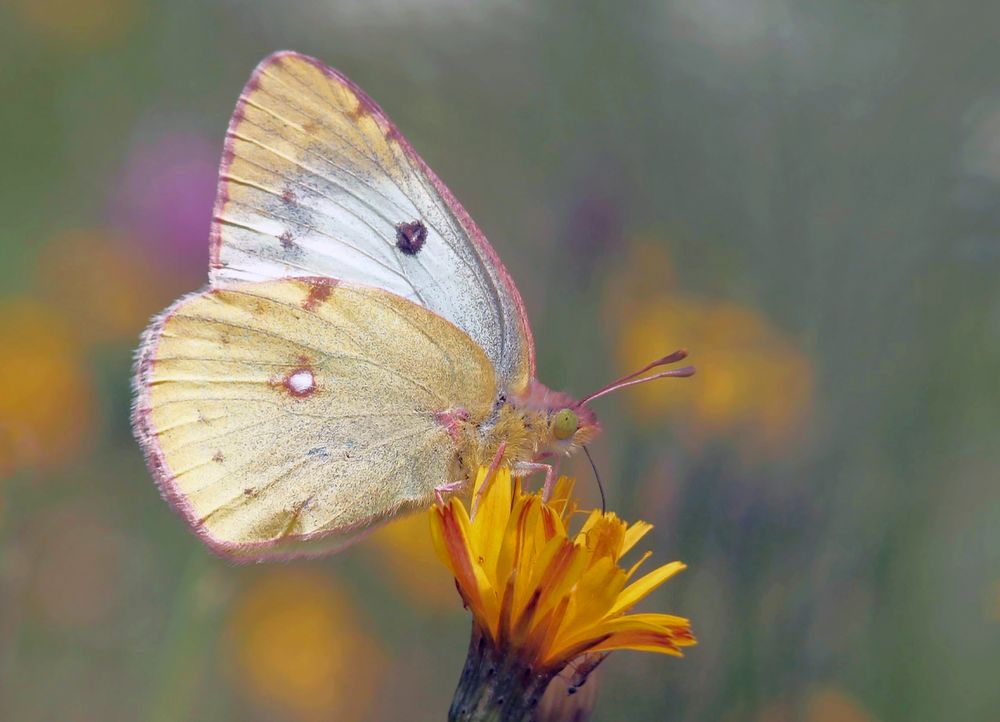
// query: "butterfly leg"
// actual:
[[523, 468], [441, 489], [490, 473]]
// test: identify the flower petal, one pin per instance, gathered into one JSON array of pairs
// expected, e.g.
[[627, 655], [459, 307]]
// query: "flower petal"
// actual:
[[472, 581], [592, 518], [634, 533], [641, 642], [605, 537], [663, 633], [535, 562], [561, 576], [636, 591], [635, 567], [649, 621], [597, 592], [491, 520], [562, 496]]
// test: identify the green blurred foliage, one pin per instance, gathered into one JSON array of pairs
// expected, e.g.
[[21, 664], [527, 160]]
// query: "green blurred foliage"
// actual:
[[819, 182]]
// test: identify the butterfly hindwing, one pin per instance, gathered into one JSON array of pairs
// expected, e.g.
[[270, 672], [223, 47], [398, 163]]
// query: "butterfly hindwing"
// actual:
[[301, 412], [316, 180]]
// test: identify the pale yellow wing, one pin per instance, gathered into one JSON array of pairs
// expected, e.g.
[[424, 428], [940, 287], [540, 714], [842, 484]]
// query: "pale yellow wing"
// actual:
[[317, 181], [288, 417]]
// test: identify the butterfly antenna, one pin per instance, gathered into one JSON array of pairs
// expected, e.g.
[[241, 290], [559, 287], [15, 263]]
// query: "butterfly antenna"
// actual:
[[632, 378], [600, 486]]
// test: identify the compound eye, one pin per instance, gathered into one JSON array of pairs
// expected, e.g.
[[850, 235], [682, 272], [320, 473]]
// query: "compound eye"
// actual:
[[564, 424]]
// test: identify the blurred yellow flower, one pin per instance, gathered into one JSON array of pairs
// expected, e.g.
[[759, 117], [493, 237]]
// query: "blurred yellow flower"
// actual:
[[46, 398], [543, 594], [778, 711], [754, 384], [406, 554], [297, 647], [101, 283], [830, 704], [76, 24]]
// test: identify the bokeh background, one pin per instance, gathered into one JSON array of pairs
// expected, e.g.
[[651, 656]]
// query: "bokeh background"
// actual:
[[805, 194]]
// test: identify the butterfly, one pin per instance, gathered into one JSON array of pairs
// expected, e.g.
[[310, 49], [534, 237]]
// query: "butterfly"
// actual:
[[359, 351]]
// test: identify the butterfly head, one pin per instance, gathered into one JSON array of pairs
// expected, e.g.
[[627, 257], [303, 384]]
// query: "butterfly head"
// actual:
[[561, 423], [570, 426]]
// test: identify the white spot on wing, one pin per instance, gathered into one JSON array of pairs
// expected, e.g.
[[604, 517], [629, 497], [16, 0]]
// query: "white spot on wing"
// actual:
[[301, 381]]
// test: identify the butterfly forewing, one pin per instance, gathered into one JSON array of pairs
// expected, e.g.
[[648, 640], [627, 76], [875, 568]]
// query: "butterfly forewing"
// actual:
[[317, 181], [300, 412]]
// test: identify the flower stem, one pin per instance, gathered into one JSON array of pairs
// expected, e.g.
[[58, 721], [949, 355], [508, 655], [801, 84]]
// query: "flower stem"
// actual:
[[496, 687]]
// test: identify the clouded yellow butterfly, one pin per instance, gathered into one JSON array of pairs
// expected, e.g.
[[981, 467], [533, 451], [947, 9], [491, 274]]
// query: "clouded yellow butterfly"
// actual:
[[359, 350]]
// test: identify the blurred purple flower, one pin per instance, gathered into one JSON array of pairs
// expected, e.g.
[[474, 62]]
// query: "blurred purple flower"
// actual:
[[594, 222], [164, 196], [593, 227]]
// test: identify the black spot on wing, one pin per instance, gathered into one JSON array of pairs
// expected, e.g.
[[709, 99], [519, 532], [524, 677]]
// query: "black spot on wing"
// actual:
[[410, 237]]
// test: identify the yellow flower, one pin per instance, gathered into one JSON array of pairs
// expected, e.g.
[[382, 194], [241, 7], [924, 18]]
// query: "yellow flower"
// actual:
[[72, 25], [754, 386], [830, 704], [546, 595], [102, 283], [47, 405], [297, 648]]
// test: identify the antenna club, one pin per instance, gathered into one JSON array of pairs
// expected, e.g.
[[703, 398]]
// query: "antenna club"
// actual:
[[636, 377]]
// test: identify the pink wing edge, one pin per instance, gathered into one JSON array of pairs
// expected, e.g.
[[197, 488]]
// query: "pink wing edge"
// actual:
[[284, 549], [391, 131]]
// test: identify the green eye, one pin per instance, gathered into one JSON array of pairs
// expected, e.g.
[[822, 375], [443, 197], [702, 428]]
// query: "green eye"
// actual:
[[564, 424]]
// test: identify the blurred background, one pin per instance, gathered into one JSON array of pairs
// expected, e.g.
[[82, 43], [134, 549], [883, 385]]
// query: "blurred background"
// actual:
[[805, 194]]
